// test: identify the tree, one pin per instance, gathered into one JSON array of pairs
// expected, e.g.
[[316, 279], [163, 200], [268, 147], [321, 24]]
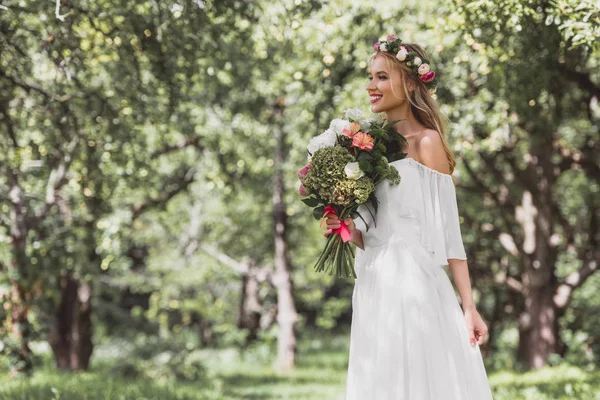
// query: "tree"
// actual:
[[534, 88]]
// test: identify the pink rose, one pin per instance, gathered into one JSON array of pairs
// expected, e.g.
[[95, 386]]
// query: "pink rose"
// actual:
[[423, 69], [392, 37], [363, 141], [302, 173], [302, 191], [376, 46], [428, 77]]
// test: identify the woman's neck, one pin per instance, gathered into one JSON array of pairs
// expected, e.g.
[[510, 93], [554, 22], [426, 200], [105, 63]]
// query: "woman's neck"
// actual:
[[407, 124]]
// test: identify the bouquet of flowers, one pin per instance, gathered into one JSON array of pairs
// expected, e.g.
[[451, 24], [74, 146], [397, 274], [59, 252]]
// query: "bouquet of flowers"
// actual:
[[346, 162]]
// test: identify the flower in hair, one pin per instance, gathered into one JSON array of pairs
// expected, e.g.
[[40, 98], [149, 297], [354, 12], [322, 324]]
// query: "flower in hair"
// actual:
[[401, 55], [420, 66], [423, 69], [428, 77]]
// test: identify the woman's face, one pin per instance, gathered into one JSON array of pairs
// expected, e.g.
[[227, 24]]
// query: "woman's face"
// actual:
[[383, 98]]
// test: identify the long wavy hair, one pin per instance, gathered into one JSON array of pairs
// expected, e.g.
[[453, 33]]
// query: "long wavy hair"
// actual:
[[422, 105]]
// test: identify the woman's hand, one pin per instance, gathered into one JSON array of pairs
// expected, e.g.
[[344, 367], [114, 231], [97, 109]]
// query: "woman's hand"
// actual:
[[333, 222], [476, 327]]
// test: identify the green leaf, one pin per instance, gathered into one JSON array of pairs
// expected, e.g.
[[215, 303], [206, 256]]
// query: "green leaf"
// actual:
[[363, 220], [365, 166], [311, 202], [318, 212]]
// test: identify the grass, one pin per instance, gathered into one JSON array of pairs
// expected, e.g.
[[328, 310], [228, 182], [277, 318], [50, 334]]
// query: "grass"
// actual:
[[320, 374]]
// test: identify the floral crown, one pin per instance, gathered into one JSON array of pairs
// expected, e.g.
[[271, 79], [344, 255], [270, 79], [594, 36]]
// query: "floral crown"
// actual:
[[420, 66]]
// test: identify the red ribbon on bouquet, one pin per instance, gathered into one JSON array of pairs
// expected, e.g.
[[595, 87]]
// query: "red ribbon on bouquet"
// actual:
[[342, 230]]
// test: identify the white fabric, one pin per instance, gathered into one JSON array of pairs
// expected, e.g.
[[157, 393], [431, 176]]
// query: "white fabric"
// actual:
[[409, 340]]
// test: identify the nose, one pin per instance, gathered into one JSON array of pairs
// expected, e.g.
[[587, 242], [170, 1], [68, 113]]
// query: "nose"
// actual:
[[371, 85]]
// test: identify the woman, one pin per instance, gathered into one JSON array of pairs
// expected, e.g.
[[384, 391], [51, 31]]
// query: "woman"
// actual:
[[410, 340]]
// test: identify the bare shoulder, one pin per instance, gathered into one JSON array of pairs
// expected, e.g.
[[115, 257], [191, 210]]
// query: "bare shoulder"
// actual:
[[431, 151]]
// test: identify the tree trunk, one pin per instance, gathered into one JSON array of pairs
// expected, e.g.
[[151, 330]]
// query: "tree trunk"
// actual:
[[20, 330], [538, 323], [538, 328], [286, 309], [71, 341], [250, 308], [18, 274]]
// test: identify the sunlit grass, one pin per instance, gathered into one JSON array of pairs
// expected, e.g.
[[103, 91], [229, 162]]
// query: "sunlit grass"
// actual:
[[320, 374]]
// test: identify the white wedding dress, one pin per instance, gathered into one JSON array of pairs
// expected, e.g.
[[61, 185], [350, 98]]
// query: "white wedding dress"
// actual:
[[409, 339]]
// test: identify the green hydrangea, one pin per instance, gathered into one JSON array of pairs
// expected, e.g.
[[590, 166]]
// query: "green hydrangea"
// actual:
[[392, 175], [358, 190], [326, 170]]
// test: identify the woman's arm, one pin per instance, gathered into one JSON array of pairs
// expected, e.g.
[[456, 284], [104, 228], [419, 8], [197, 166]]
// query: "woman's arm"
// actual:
[[460, 273], [475, 325], [333, 222], [357, 239]]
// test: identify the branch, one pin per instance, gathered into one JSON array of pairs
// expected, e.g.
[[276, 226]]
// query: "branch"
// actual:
[[564, 291], [242, 268], [504, 203], [512, 283], [589, 159], [239, 267], [505, 200], [165, 196], [56, 180], [195, 142], [582, 80], [28, 88], [591, 261], [503, 277], [506, 241], [57, 12], [9, 124], [527, 177]]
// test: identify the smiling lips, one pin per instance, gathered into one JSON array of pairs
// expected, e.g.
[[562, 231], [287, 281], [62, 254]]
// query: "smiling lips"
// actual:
[[375, 98]]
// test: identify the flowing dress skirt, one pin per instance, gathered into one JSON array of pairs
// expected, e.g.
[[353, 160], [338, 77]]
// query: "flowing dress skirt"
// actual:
[[409, 340]]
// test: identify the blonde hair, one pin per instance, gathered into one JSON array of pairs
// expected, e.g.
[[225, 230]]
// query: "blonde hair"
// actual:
[[422, 105]]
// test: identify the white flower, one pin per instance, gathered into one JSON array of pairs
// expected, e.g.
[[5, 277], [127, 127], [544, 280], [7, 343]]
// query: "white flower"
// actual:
[[365, 125], [383, 47], [401, 55], [353, 171], [376, 118], [325, 139], [417, 61], [423, 69], [337, 125], [353, 114]]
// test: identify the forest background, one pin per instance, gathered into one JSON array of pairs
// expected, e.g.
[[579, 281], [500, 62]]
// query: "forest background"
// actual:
[[152, 240]]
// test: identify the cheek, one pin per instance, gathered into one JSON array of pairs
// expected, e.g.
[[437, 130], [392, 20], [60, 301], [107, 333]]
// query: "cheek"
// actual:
[[384, 86]]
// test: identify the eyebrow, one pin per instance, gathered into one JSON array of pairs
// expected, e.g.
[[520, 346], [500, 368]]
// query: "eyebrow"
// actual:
[[379, 72]]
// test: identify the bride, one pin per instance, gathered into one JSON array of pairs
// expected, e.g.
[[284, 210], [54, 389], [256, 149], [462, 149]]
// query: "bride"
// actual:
[[410, 340]]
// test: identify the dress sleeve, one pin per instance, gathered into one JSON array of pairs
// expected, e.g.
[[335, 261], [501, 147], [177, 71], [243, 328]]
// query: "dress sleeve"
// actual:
[[440, 225]]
